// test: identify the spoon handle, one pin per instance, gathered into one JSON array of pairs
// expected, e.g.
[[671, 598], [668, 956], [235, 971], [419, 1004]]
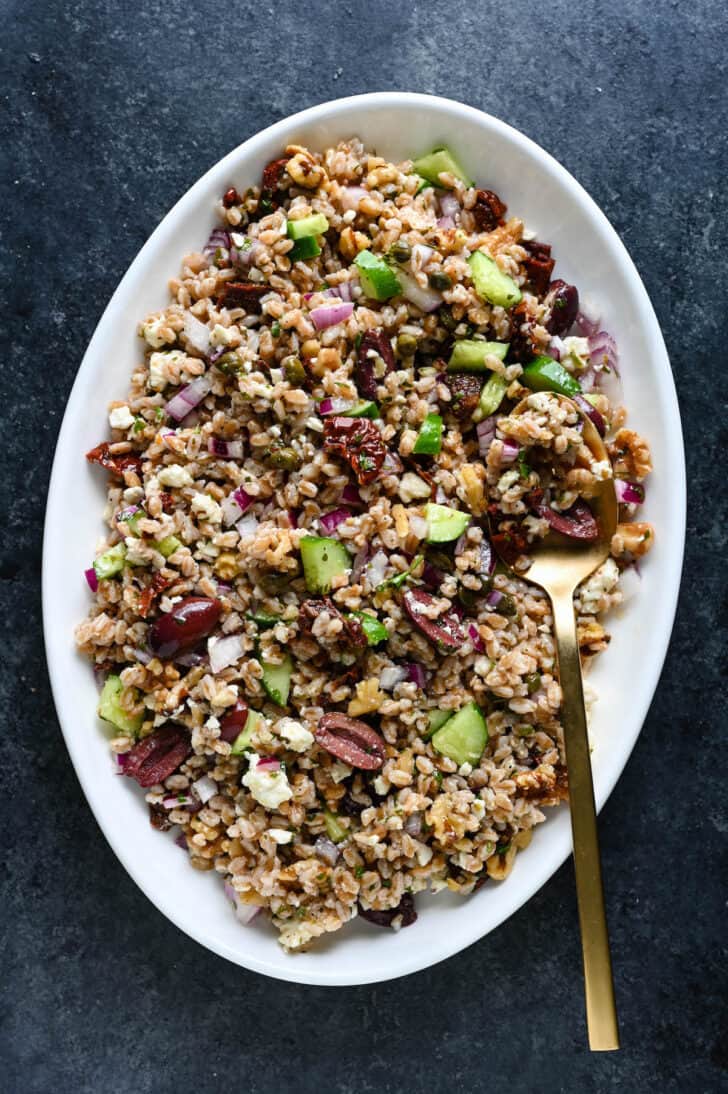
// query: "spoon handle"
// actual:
[[601, 1013]]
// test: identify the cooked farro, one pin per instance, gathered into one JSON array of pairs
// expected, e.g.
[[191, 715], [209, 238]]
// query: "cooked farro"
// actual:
[[297, 594]]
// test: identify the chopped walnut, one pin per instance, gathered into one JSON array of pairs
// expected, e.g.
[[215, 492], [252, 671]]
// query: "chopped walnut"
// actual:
[[472, 479], [630, 455], [304, 170], [633, 538], [368, 697]]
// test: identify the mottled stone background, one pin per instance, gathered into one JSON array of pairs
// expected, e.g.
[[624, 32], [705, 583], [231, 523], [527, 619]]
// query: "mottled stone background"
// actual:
[[110, 111]]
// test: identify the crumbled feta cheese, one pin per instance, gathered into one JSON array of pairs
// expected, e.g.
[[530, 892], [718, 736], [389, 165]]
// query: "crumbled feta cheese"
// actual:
[[424, 854], [465, 770], [121, 418], [411, 486], [577, 350], [601, 469], [221, 336], [280, 835], [269, 787], [159, 364], [339, 771], [479, 808], [175, 475], [295, 734], [602, 582], [381, 785], [152, 331], [208, 507]]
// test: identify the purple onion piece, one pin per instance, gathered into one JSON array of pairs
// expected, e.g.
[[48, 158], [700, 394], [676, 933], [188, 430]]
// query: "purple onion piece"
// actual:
[[326, 850], [592, 414], [331, 521], [413, 825], [91, 579], [629, 493], [493, 598]]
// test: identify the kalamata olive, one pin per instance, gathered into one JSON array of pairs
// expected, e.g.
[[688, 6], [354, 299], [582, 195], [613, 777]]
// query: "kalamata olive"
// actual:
[[158, 756], [191, 620], [446, 631], [350, 740], [374, 359], [578, 522], [233, 723], [562, 300], [405, 911]]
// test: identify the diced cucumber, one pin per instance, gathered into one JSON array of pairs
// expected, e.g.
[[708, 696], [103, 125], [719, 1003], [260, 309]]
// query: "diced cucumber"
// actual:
[[303, 249], [546, 374], [463, 737], [367, 409], [111, 562], [323, 559], [429, 438], [374, 630], [276, 680], [110, 708], [244, 740], [470, 356], [491, 283], [437, 719], [438, 161], [491, 397], [132, 522], [334, 830], [263, 619], [314, 225], [443, 523], [377, 280], [168, 545], [424, 183]]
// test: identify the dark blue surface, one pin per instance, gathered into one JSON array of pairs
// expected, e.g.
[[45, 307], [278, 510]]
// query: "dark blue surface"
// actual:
[[110, 111]]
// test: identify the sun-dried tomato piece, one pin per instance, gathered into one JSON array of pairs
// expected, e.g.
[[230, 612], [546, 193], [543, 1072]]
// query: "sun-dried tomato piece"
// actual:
[[374, 360], [359, 441], [523, 346], [158, 756], [465, 391], [166, 501], [510, 544], [405, 910], [539, 264], [242, 294], [352, 741], [116, 464], [488, 210], [351, 633], [273, 173], [150, 593]]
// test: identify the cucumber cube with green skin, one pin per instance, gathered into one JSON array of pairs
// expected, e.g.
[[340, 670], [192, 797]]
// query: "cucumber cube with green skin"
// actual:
[[377, 280], [111, 562], [244, 740], [323, 559], [374, 631], [546, 374], [439, 161], [334, 830], [303, 249], [168, 545], [491, 283], [463, 737], [443, 523], [366, 409], [110, 708], [424, 183], [491, 397], [276, 680], [429, 438], [314, 225], [470, 356], [437, 719], [132, 523]]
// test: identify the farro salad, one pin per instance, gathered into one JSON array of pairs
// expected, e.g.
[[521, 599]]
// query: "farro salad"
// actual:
[[311, 659]]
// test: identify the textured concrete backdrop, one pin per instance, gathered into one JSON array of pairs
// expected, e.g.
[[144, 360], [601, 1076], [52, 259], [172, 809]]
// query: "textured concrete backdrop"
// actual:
[[110, 111]]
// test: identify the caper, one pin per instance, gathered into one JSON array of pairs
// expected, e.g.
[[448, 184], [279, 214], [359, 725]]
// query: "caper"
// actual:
[[507, 605], [401, 251], [523, 731], [467, 597], [441, 560], [287, 459], [533, 682], [439, 280], [406, 344], [293, 370], [447, 319], [229, 362]]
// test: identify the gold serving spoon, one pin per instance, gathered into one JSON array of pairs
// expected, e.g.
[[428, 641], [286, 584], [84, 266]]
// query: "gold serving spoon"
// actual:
[[559, 565]]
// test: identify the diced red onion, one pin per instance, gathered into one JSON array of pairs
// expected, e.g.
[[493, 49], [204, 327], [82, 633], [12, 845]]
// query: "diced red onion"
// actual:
[[461, 545], [247, 525], [421, 255], [234, 505], [328, 315], [440, 496], [592, 414], [629, 493], [226, 651], [246, 913], [413, 825], [226, 450], [179, 801], [510, 452], [449, 205], [351, 495], [351, 196], [181, 841], [341, 291], [196, 333], [375, 569], [91, 579], [243, 498], [416, 674], [603, 352], [494, 598], [121, 759], [609, 384], [392, 464], [391, 676], [445, 223], [334, 406], [331, 521], [360, 560], [191, 660], [585, 325], [475, 638], [188, 398], [432, 576], [326, 850], [143, 656], [268, 764], [205, 788], [243, 256], [219, 241], [485, 431], [426, 300]]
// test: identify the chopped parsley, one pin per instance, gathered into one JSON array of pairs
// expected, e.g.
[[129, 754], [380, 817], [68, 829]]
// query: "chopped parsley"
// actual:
[[275, 329]]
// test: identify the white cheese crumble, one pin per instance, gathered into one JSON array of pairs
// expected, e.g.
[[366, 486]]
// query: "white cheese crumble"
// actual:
[[159, 363], [339, 771], [411, 486], [269, 787], [221, 336], [602, 582], [151, 331], [121, 418], [175, 475], [381, 785], [295, 734], [203, 503], [280, 835]]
